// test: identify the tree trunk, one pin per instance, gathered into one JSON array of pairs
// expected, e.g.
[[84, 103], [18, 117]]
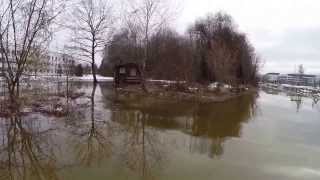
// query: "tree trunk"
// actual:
[[18, 89], [12, 94], [93, 69], [95, 81], [68, 89], [143, 83]]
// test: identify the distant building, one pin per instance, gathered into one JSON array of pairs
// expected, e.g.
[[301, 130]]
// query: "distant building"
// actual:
[[301, 79], [50, 64], [53, 64], [283, 79], [271, 77], [4, 64], [292, 79], [318, 80]]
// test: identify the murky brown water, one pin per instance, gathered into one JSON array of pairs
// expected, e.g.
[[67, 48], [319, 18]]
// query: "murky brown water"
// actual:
[[265, 136]]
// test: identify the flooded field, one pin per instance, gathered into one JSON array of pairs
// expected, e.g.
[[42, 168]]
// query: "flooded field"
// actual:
[[268, 135]]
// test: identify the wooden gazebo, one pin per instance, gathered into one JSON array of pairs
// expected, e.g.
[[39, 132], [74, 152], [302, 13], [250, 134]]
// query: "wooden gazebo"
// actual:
[[127, 74]]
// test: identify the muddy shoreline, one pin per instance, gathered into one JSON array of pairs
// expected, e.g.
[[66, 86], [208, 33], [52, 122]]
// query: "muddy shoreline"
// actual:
[[192, 94], [58, 105]]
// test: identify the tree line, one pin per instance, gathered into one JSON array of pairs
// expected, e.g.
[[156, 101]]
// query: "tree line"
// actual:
[[212, 50]]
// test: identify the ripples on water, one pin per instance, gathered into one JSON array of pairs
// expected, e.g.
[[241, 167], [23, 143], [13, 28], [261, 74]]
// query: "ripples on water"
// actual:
[[257, 136]]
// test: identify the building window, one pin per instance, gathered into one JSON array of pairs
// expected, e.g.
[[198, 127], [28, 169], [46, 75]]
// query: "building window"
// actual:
[[122, 70], [133, 72]]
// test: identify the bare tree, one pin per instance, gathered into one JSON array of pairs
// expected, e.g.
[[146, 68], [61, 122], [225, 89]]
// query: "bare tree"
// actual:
[[223, 53], [24, 26], [91, 27], [123, 48], [170, 51], [145, 18]]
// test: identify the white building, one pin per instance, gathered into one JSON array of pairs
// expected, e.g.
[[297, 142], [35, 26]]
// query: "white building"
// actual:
[[4, 65], [50, 64], [292, 79], [318, 80], [271, 77], [299, 79]]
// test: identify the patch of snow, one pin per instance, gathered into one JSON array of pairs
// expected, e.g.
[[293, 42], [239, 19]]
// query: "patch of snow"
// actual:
[[165, 81], [86, 78], [59, 109], [213, 86], [227, 86], [193, 89], [89, 78]]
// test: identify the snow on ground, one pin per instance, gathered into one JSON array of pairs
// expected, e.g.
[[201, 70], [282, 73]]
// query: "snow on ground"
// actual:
[[300, 87], [89, 78], [165, 81], [215, 85]]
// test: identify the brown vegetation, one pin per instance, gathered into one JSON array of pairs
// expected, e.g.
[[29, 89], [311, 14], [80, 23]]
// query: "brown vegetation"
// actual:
[[212, 51], [185, 92]]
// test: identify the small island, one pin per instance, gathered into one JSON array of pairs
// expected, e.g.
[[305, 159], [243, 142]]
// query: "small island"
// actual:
[[212, 62]]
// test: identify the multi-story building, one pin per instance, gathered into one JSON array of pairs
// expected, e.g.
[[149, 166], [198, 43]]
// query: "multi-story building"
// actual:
[[271, 77], [4, 64], [318, 80], [50, 64], [283, 79], [301, 79], [293, 79]]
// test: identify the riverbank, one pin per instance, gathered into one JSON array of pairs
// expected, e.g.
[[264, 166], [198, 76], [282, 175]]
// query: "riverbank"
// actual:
[[55, 104], [213, 93], [89, 78], [55, 100]]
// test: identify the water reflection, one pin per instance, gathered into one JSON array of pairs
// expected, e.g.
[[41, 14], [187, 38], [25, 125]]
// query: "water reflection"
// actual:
[[315, 100], [32, 145], [25, 151], [295, 97], [92, 138], [209, 125], [141, 147], [272, 91], [219, 122], [123, 130]]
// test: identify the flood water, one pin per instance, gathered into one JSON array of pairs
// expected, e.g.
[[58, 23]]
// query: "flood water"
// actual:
[[259, 136]]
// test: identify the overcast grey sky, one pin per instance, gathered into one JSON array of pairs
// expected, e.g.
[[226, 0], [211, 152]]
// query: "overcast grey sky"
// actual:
[[285, 33]]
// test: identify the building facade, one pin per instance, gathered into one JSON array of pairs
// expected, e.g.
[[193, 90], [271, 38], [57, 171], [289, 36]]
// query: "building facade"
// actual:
[[271, 77], [293, 79], [49, 64], [301, 79], [4, 64]]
